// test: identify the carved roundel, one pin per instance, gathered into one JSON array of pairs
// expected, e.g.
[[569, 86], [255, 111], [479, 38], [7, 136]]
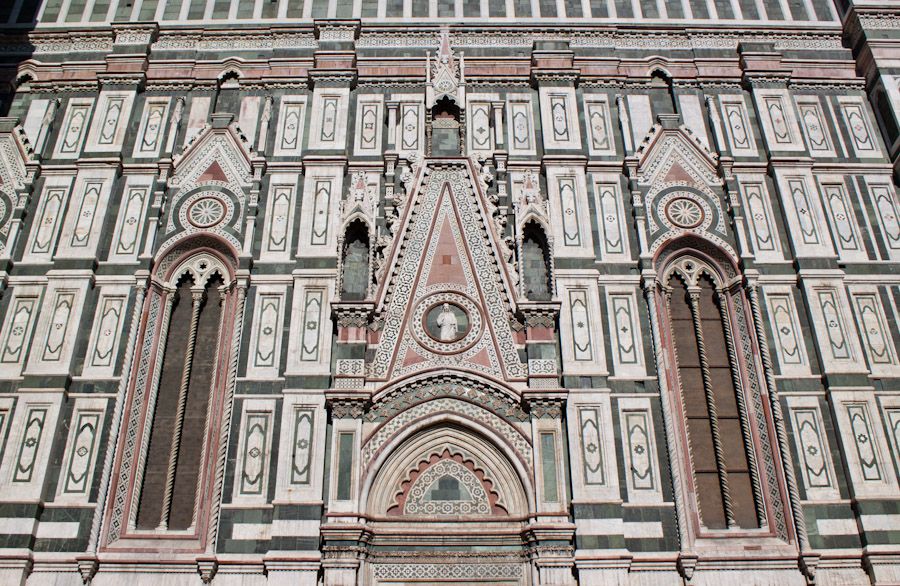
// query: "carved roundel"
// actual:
[[446, 322], [206, 212], [685, 213]]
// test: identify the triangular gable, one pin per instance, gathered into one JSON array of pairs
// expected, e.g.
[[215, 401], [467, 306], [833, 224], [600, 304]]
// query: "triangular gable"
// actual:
[[446, 253], [673, 154], [215, 155]]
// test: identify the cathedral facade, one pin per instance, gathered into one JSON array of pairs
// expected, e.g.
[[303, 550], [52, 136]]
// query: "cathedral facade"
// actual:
[[385, 292]]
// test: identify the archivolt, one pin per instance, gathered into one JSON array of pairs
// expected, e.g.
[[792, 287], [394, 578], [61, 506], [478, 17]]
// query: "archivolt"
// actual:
[[384, 478]]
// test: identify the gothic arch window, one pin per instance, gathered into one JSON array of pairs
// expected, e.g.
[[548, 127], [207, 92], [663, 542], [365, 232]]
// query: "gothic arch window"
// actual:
[[355, 259], [698, 326], [535, 269], [167, 475]]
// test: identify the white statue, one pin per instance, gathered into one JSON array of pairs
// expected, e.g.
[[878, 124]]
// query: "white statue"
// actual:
[[446, 320]]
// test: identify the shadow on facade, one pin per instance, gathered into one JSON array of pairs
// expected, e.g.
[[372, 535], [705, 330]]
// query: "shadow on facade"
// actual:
[[15, 47]]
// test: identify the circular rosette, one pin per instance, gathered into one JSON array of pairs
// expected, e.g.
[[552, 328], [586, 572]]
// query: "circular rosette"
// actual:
[[206, 212], [684, 213]]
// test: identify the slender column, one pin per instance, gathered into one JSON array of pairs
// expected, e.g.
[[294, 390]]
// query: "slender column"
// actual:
[[743, 415], [625, 122], [780, 432], [214, 384], [668, 418], [175, 124], [46, 121], [694, 297], [392, 107], [196, 305], [497, 108], [227, 407]]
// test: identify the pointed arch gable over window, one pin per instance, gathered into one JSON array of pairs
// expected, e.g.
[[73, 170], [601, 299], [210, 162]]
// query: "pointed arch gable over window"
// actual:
[[167, 478]]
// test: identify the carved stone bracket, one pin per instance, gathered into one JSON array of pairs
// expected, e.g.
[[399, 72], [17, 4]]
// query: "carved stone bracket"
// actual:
[[356, 314], [539, 314], [207, 568], [545, 404], [347, 405]]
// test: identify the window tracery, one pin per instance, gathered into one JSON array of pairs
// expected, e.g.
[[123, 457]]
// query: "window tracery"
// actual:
[[721, 453]]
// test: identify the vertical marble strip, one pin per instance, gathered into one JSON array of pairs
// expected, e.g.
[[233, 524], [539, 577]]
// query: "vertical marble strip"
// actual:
[[628, 350], [302, 429], [151, 130], [740, 134], [480, 127], [599, 124], [864, 141], [267, 324], [549, 470], [811, 447], [256, 451], [57, 331], [843, 222], [34, 425], [569, 211], [289, 131], [81, 453], [858, 414], [48, 221], [759, 218], [110, 120], [84, 221], [107, 329], [815, 129], [521, 125], [129, 227], [320, 219], [17, 331], [888, 214], [892, 419], [279, 220], [612, 222], [788, 341], [409, 127], [805, 214], [876, 334], [344, 476], [581, 325], [591, 445], [834, 326], [312, 321], [74, 127]]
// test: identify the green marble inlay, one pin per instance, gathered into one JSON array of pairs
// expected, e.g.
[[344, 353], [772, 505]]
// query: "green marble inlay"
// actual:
[[345, 463], [548, 463]]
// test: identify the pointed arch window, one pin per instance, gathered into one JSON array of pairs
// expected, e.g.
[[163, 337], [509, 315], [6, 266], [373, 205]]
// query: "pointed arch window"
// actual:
[[719, 440], [169, 456]]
